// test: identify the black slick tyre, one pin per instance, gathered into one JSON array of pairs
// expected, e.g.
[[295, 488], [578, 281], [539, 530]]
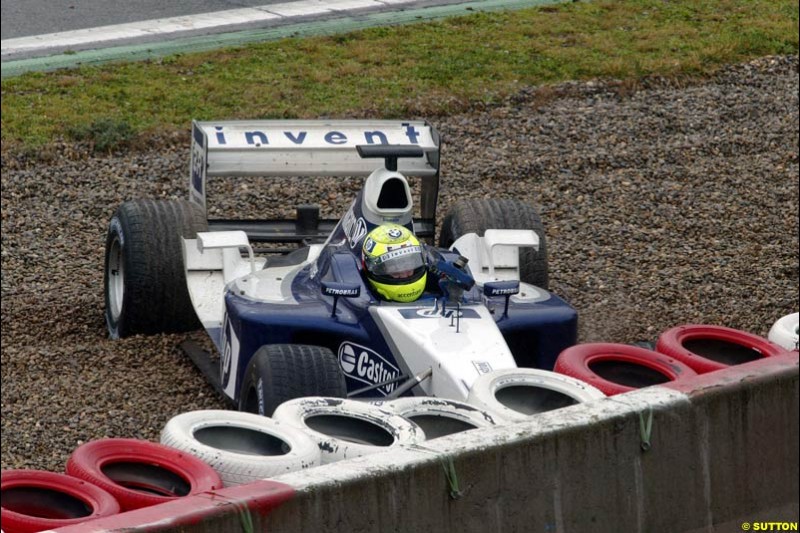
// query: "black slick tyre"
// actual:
[[478, 215], [280, 372], [144, 281]]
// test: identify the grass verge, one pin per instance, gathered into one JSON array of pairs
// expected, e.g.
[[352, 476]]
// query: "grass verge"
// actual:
[[401, 71]]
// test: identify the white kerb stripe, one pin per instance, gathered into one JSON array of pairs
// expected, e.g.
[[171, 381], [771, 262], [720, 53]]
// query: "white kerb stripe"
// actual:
[[180, 24]]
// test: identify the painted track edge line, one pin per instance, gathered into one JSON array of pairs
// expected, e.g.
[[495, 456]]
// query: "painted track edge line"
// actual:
[[170, 25], [12, 68]]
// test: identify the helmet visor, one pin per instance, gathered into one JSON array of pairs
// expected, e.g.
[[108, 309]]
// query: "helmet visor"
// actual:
[[398, 264]]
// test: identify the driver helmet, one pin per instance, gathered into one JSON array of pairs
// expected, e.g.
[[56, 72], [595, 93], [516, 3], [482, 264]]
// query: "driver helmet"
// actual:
[[394, 263]]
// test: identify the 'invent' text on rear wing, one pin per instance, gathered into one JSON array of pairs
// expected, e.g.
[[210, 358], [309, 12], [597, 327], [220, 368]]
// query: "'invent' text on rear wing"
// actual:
[[309, 148]]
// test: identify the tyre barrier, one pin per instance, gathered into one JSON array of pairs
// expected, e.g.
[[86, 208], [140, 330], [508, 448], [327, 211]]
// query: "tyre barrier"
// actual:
[[140, 473], [785, 332], [515, 394], [617, 368], [347, 428], [707, 348], [35, 500], [241, 447], [438, 417]]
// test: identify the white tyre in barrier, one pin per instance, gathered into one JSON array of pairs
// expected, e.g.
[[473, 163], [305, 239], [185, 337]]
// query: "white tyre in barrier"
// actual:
[[784, 332], [517, 393], [438, 417], [241, 447], [344, 429]]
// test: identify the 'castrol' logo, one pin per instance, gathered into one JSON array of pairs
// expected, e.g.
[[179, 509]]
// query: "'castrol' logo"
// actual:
[[368, 367]]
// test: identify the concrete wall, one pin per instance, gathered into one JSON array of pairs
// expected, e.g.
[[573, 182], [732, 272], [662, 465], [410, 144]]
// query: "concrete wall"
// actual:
[[723, 450]]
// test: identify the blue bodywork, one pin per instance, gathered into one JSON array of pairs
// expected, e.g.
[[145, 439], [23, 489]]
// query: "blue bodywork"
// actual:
[[536, 332]]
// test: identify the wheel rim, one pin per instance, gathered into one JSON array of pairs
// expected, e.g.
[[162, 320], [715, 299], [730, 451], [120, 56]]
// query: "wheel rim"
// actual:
[[115, 274]]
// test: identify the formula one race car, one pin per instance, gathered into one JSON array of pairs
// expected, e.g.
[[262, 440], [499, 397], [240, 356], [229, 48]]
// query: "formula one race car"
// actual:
[[306, 322]]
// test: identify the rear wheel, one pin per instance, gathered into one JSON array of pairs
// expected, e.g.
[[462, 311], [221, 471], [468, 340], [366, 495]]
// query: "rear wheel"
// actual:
[[478, 215], [145, 284], [281, 372]]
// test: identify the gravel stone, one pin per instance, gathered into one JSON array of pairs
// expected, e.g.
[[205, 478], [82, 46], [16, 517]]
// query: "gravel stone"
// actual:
[[664, 204]]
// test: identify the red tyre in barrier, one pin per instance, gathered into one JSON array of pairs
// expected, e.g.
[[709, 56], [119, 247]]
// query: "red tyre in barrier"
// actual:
[[618, 368], [141, 473], [707, 348], [34, 500]]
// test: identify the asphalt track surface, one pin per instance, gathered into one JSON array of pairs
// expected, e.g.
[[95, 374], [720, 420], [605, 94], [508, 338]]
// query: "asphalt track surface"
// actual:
[[23, 18], [35, 29], [196, 32]]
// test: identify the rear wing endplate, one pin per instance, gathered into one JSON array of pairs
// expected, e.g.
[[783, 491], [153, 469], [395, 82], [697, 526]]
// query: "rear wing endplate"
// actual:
[[308, 148]]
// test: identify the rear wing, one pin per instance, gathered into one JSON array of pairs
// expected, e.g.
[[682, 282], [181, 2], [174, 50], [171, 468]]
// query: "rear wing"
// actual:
[[307, 148]]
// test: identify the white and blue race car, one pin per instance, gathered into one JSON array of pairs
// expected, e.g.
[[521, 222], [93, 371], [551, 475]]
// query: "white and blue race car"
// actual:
[[306, 322]]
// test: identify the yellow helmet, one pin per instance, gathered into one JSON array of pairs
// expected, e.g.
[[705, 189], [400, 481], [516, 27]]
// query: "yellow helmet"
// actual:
[[394, 263]]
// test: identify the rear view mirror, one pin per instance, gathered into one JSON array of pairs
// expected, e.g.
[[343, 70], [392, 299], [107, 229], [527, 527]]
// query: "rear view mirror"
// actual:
[[338, 290], [501, 288]]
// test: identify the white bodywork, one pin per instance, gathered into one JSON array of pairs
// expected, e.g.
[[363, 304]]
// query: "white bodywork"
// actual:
[[302, 148], [457, 350], [211, 261], [457, 353], [214, 259], [495, 256]]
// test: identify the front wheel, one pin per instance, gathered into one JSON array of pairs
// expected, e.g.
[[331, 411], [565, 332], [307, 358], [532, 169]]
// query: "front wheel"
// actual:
[[478, 215], [281, 372]]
